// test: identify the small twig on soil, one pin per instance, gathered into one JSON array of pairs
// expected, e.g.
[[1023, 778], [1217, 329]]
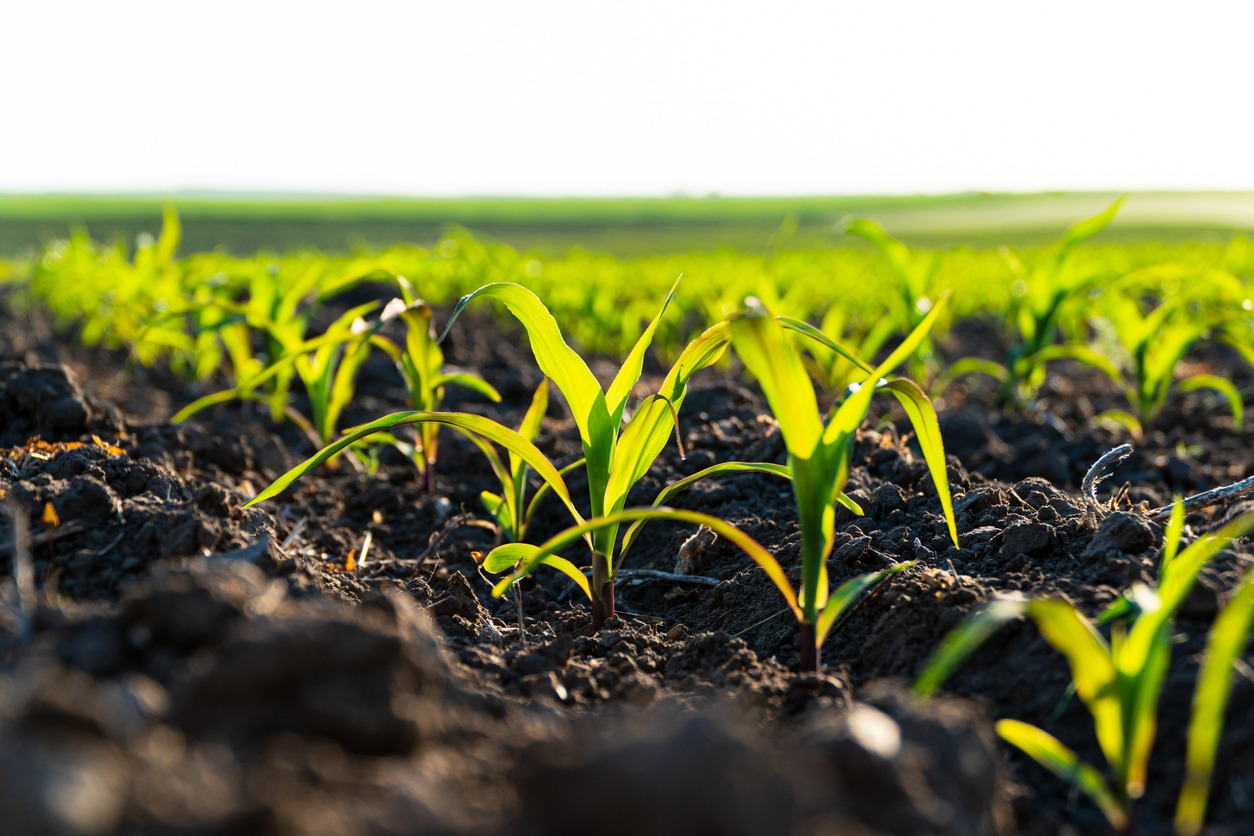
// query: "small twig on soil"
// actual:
[[1102, 469], [113, 544], [640, 575], [365, 548], [620, 612], [1211, 497], [454, 523], [759, 623]]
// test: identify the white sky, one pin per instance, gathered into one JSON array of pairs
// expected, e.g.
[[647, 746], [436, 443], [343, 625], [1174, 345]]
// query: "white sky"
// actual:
[[555, 97]]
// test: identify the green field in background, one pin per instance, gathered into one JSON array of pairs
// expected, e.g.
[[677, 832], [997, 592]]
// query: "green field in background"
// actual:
[[620, 226]]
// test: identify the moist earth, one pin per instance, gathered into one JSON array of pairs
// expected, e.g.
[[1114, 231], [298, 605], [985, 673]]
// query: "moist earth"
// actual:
[[173, 662]]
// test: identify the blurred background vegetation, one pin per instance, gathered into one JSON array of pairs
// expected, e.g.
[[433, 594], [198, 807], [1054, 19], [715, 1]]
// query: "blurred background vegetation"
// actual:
[[625, 227]]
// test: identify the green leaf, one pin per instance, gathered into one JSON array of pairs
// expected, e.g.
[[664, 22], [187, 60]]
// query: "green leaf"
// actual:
[[201, 404], [675, 488], [568, 569], [1082, 231], [469, 381], [629, 373], [477, 424], [530, 426], [922, 417], [853, 507], [720, 527], [1092, 668], [544, 489], [1119, 418], [1221, 385], [1224, 647], [850, 415], [961, 642], [505, 558], [654, 422], [556, 359], [1050, 753], [1082, 354], [1173, 533], [760, 344], [793, 324], [966, 366], [171, 233], [846, 593]]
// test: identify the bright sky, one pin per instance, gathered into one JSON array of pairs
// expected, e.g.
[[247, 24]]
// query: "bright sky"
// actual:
[[556, 97]]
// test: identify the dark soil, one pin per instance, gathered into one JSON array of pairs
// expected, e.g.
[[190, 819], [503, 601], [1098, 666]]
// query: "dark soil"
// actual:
[[183, 664]]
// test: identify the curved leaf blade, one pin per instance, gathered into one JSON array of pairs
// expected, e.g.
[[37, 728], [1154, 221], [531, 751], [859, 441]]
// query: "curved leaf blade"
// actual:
[[1050, 753], [720, 527], [922, 417], [1224, 646]]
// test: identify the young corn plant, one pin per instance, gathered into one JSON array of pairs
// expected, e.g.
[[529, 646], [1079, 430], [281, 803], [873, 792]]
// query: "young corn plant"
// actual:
[[421, 366], [819, 453], [327, 366], [1118, 681], [1042, 297], [1148, 347], [617, 453]]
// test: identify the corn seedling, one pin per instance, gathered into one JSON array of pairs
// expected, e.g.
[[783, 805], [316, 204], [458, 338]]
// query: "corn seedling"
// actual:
[[327, 366], [1118, 681], [421, 366], [616, 456], [1040, 298], [1150, 345], [819, 454]]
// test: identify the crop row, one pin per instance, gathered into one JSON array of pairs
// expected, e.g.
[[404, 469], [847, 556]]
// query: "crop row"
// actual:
[[1131, 313], [250, 323]]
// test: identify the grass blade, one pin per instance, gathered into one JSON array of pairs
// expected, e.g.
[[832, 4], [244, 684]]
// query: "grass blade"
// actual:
[[1224, 646], [1221, 385], [629, 373], [961, 642], [675, 488], [845, 595], [801, 327], [1092, 668], [720, 527], [922, 417], [1050, 753], [485, 427]]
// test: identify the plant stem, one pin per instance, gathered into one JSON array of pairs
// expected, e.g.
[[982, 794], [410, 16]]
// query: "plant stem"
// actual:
[[602, 591], [809, 650]]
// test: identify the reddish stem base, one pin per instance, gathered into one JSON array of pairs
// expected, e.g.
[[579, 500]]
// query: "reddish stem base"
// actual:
[[603, 608], [809, 650]]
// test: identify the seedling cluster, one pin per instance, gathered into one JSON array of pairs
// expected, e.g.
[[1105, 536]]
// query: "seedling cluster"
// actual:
[[288, 334]]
